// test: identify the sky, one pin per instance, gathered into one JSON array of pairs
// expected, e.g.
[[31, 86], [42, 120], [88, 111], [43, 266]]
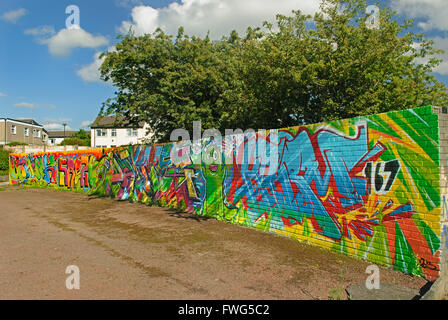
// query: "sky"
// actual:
[[49, 67]]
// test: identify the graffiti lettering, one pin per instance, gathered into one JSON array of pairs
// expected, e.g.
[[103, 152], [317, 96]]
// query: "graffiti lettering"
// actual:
[[382, 174]]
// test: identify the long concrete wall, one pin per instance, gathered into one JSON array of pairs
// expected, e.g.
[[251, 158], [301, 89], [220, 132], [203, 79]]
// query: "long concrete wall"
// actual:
[[36, 149], [368, 187]]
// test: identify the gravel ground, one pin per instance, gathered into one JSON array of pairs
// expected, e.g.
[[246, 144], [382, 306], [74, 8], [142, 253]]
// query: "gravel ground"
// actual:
[[131, 251]]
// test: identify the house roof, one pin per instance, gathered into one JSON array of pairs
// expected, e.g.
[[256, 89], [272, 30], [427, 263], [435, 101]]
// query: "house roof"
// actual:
[[60, 134], [30, 121], [114, 122], [24, 121]]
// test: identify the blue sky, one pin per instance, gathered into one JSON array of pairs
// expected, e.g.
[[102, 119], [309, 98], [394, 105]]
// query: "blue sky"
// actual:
[[49, 73]]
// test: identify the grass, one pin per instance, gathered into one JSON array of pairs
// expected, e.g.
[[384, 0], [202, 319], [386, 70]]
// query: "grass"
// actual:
[[4, 175], [336, 294]]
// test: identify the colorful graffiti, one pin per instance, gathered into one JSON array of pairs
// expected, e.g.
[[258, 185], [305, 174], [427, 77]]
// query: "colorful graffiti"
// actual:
[[368, 187]]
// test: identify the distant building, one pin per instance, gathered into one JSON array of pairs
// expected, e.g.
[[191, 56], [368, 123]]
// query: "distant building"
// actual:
[[55, 138], [107, 132], [24, 130]]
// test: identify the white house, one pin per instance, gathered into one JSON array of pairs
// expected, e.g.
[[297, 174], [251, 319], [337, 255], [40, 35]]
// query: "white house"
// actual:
[[55, 138], [111, 131]]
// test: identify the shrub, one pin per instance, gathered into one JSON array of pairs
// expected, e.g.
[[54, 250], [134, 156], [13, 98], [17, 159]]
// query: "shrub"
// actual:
[[16, 143], [75, 142], [4, 160]]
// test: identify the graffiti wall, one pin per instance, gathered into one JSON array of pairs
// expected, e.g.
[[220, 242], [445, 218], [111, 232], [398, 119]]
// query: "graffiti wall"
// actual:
[[367, 187]]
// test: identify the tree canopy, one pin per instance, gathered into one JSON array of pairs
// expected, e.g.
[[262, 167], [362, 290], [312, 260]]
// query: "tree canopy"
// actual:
[[80, 138], [302, 69]]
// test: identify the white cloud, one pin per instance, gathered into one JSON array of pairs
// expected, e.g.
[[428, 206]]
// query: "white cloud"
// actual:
[[434, 11], [62, 43], [85, 124], [57, 124], [61, 120], [2, 95], [91, 72], [14, 15], [439, 43], [219, 17], [56, 127], [40, 31], [442, 43], [25, 105], [52, 106]]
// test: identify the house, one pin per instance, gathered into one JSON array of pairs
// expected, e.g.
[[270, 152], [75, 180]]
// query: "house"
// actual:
[[56, 137], [24, 130], [113, 131]]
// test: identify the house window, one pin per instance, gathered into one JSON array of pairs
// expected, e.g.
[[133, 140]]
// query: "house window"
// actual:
[[27, 132], [113, 132], [13, 129], [101, 133], [132, 132], [36, 133]]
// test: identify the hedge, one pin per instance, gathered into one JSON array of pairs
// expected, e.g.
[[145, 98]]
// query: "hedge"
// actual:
[[4, 160]]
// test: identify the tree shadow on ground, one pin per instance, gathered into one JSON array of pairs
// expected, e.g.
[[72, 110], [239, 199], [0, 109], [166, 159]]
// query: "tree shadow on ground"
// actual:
[[93, 196], [176, 213], [185, 215]]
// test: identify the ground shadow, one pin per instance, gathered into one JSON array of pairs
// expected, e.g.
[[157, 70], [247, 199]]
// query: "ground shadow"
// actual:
[[93, 196], [176, 213], [185, 215]]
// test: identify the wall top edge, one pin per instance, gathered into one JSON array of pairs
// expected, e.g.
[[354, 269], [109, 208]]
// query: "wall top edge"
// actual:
[[433, 109]]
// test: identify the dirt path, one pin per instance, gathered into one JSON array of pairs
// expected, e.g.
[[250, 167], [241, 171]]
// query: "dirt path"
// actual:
[[131, 251]]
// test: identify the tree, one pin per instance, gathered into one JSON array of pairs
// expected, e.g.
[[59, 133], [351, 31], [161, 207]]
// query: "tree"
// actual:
[[80, 138], [306, 69], [82, 134]]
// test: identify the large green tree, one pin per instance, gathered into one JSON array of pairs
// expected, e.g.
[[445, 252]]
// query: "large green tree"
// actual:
[[303, 69]]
